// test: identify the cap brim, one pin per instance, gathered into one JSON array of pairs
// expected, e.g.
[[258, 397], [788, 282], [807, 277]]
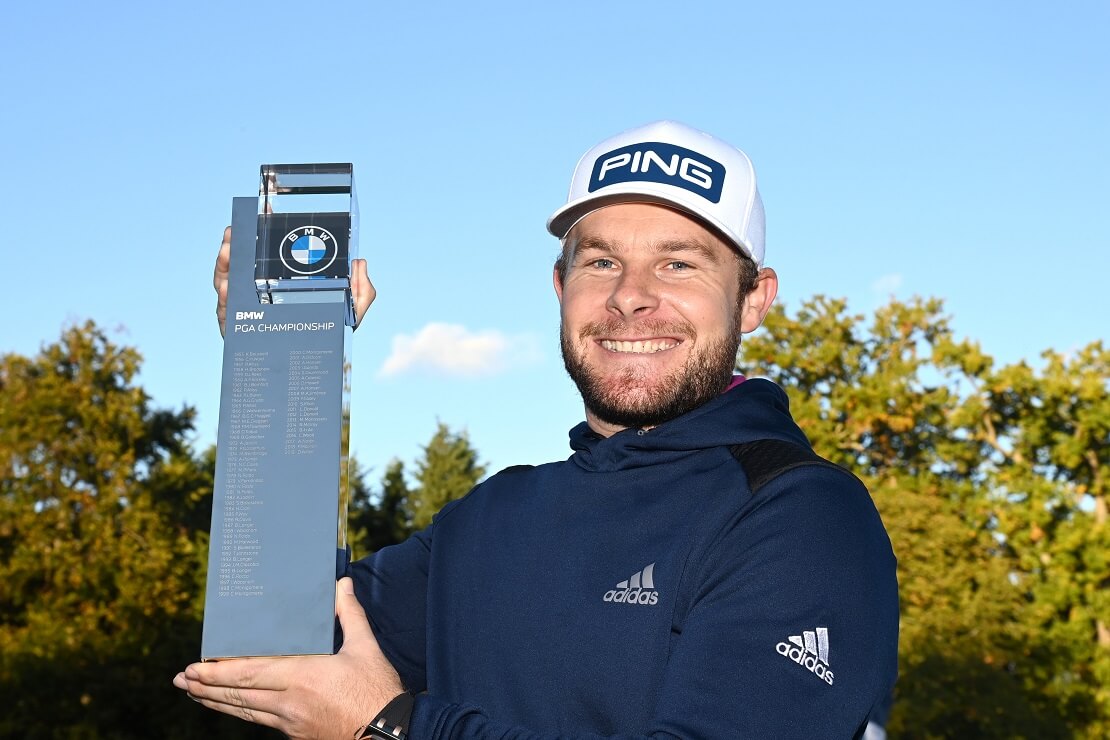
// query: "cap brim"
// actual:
[[564, 219]]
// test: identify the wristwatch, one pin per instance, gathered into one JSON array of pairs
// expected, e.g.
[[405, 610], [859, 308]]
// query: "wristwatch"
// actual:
[[392, 723]]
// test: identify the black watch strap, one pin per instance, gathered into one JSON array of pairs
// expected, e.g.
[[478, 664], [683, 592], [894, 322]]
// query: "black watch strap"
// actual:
[[392, 723]]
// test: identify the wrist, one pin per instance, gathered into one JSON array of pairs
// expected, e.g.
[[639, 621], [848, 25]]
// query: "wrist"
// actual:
[[392, 722]]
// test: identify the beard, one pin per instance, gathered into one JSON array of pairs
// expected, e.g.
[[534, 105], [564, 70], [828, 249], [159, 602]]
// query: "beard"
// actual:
[[637, 397]]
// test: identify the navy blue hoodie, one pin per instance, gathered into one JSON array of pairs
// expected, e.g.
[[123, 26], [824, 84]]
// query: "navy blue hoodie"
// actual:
[[640, 589]]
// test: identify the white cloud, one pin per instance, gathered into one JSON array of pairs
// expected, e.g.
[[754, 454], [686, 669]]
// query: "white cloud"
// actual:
[[887, 284], [452, 349]]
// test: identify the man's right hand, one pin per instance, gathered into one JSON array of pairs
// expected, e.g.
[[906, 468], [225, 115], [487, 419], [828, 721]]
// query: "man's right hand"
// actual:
[[362, 290], [304, 696]]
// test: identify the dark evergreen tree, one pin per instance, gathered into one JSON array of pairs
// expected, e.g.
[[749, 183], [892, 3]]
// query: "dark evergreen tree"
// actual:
[[447, 471]]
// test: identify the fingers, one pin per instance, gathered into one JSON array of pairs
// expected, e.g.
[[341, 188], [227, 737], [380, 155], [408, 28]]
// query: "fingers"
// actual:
[[219, 278], [352, 617], [243, 673], [251, 705], [256, 716], [362, 290], [361, 645]]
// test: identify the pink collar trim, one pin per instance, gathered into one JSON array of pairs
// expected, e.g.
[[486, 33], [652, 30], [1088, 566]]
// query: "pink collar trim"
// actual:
[[736, 380]]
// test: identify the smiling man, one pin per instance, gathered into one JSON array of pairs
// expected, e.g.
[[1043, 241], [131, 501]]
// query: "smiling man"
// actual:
[[693, 570], [653, 305]]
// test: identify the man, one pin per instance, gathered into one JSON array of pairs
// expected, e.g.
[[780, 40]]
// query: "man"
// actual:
[[664, 580]]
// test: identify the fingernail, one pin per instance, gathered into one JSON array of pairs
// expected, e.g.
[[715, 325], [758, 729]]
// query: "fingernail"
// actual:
[[347, 585], [179, 681]]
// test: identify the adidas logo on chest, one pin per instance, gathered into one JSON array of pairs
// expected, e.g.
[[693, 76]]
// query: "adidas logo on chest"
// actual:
[[638, 589]]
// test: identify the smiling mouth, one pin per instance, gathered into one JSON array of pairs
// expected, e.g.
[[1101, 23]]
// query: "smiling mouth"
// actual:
[[640, 347]]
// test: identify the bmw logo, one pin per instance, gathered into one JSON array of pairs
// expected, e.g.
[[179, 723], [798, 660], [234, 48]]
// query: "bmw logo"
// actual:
[[308, 250]]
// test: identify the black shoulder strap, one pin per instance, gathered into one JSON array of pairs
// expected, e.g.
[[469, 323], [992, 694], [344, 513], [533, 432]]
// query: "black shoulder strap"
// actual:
[[766, 459], [515, 469]]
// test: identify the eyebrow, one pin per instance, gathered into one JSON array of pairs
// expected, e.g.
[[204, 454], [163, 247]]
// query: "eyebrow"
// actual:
[[669, 246], [688, 245], [592, 244]]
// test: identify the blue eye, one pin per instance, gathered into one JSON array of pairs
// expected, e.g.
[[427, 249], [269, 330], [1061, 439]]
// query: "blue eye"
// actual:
[[603, 263], [679, 265]]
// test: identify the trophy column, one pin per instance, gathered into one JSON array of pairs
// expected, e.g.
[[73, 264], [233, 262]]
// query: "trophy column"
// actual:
[[278, 537]]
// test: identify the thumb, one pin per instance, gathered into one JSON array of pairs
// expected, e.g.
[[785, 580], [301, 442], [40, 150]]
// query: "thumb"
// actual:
[[362, 290], [352, 617]]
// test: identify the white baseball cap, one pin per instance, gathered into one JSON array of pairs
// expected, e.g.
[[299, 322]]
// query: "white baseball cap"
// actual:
[[674, 165]]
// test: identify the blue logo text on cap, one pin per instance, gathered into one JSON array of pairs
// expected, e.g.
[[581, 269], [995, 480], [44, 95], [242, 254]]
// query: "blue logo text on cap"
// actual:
[[654, 161]]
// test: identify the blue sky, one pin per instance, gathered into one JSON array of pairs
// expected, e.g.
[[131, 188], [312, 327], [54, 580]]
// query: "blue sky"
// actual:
[[957, 150]]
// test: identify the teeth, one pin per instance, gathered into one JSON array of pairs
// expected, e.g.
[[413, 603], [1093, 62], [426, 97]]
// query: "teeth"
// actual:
[[638, 347]]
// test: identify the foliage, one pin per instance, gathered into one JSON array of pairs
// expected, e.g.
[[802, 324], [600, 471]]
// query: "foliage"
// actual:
[[104, 517], [380, 520], [448, 469], [103, 513], [993, 485]]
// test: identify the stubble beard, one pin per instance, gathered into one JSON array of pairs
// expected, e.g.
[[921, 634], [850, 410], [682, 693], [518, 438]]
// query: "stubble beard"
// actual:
[[633, 397]]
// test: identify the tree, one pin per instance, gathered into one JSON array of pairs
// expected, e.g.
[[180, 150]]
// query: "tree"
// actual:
[[448, 470], [102, 551], [380, 520], [104, 517], [993, 487]]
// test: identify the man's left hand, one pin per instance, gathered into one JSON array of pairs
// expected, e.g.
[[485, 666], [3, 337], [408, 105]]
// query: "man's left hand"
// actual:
[[319, 696]]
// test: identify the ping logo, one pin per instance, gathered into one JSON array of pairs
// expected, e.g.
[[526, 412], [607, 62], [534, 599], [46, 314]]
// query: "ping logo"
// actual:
[[244, 315], [663, 163], [308, 250]]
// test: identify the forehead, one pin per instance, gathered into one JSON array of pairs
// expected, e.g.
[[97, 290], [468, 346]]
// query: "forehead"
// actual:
[[630, 225]]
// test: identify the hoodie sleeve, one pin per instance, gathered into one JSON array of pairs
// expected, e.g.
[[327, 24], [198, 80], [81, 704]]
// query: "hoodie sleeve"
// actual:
[[792, 628], [392, 586], [796, 613]]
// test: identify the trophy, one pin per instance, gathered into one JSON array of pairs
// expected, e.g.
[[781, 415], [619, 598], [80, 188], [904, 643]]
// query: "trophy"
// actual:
[[279, 505]]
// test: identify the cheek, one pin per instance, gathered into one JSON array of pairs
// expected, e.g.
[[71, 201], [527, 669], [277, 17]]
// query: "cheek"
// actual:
[[707, 309], [578, 302]]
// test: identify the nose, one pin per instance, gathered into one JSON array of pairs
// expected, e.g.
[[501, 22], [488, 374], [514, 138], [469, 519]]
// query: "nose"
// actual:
[[634, 293]]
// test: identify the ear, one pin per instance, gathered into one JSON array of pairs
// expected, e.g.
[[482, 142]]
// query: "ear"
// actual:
[[558, 282], [759, 301]]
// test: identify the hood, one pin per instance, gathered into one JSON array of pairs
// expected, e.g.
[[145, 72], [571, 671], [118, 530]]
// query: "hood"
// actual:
[[755, 409]]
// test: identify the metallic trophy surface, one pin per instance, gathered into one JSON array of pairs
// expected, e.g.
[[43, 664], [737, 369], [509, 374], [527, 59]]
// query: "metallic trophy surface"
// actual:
[[278, 537]]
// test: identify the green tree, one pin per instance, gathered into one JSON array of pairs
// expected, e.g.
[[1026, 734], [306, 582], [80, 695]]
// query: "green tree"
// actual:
[[102, 552], [378, 520], [447, 471], [993, 487]]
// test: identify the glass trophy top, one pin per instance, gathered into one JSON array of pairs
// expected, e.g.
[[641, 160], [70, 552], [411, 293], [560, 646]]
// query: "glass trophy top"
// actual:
[[307, 234], [319, 187]]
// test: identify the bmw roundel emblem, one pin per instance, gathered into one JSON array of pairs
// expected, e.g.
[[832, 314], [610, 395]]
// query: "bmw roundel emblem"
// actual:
[[307, 250]]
